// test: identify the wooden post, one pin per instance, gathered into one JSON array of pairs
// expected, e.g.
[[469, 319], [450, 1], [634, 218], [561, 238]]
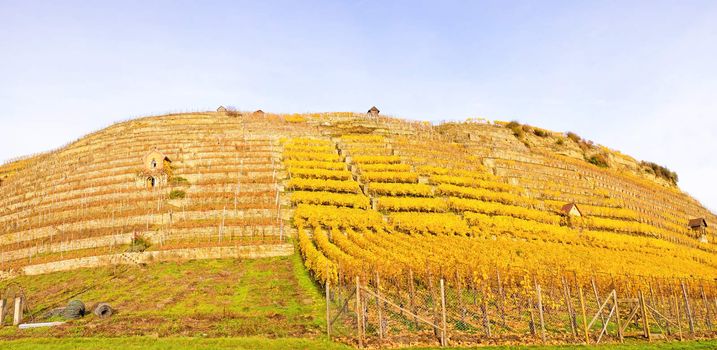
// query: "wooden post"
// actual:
[[444, 338], [359, 312], [412, 293], [328, 311], [17, 316], [540, 312], [679, 318], [597, 296], [569, 306], [643, 311], [708, 321], [688, 310], [484, 306], [617, 316], [378, 306], [2, 312], [501, 306], [585, 321]]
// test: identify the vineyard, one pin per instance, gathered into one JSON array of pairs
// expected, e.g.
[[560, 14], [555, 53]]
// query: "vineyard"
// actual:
[[450, 234]]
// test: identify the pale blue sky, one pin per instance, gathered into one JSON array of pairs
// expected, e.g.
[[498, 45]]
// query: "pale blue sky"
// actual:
[[638, 76]]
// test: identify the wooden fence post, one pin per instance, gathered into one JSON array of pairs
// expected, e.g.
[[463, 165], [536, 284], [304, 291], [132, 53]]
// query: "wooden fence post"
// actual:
[[378, 306], [569, 306], [597, 297], [688, 310], [540, 312], [617, 316], [708, 321], [17, 316], [585, 321], [501, 306], [444, 338], [359, 312], [412, 294], [484, 303], [2, 312], [328, 312], [643, 311], [679, 315]]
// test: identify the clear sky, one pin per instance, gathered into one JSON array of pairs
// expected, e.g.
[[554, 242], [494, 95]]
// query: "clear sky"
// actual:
[[637, 76]]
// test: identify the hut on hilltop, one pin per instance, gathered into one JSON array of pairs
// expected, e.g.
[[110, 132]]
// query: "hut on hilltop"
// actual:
[[373, 112]]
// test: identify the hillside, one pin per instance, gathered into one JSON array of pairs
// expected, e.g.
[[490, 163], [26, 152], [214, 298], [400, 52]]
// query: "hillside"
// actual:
[[397, 204]]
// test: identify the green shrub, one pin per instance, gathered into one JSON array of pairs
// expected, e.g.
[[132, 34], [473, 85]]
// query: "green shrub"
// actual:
[[178, 180], [599, 160], [661, 171], [560, 142], [139, 244], [540, 133], [517, 129], [573, 136], [177, 194]]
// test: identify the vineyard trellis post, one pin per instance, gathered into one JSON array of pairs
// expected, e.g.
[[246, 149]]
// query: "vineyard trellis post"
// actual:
[[411, 295], [597, 296], [484, 309], [688, 310], [444, 339], [359, 322], [17, 315], [708, 321], [540, 311], [2, 312], [643, 311], [569, 306], [328, 311], [501, 295], [378, 305], [585, 321]]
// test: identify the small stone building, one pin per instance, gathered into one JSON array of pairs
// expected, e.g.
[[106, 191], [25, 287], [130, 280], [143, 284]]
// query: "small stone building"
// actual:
[[155, 160], [222, 109], [373, 112], [699, 227], [571, 209], [258, 113], [156, 168]]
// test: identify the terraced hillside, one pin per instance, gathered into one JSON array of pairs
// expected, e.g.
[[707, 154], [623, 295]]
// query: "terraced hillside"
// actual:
[[477, 205]]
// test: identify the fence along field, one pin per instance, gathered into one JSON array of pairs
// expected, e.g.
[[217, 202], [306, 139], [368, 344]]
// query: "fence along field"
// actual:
[[418, 233]]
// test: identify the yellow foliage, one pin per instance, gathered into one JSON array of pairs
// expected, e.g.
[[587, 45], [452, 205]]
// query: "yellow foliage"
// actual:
[[346, 186], [412, 204], [315, 164], [472, 182], [330, 216], [389, 176], [320, 173], [330, 198], [429, 223], [400, 189], [462, 204], [376, 159], [384, 167], [486, 195], [323, 269]]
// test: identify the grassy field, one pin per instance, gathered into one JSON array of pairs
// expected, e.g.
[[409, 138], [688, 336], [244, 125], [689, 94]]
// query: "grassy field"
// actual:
[[272, 297], [283, 343]]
